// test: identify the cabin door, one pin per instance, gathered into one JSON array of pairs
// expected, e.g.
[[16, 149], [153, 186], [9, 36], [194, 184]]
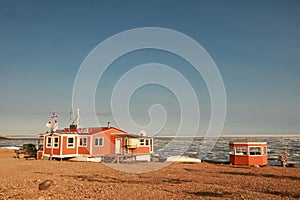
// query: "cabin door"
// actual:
[[118, 146]]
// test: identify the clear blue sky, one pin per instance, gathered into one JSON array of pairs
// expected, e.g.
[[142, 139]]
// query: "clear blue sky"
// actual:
[[255, 44]]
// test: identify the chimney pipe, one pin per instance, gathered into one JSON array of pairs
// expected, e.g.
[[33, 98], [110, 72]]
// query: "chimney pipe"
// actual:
[[108, 124]]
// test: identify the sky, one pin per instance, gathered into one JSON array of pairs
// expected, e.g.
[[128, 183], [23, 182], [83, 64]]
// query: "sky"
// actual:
[[255, 45]]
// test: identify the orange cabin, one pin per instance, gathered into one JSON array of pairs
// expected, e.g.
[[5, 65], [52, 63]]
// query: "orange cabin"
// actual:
[[96, 141], [248, 153]]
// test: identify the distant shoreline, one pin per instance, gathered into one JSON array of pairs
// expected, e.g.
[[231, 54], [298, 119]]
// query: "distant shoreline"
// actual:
[[17, 137], [163, 136]]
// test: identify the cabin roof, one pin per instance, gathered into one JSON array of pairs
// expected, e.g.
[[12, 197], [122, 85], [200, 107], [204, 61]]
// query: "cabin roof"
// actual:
[[247, 142], [95, 130], [89, 130], [129, 135]]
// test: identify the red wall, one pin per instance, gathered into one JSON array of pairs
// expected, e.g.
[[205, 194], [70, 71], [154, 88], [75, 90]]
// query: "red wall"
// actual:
[[62, 144], [109, 142], [250, 160], [141, 150], [85, 150], [66, 150]]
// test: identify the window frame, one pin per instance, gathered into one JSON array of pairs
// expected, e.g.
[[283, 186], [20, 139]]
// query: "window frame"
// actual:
[[145, 142], [151, 145], [55, 143], [49, 142], [241, 152], [142, 142], [98, 139], [68, 143], [83, 144], [256, 153]]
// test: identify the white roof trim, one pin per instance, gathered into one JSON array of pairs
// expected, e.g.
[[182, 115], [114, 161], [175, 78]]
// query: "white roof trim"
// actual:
[[241, 142]]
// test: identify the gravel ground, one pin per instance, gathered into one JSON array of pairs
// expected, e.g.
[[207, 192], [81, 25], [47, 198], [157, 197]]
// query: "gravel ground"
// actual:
[[20, 179]]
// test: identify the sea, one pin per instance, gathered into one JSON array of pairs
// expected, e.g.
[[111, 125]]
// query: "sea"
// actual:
[[164, 147]]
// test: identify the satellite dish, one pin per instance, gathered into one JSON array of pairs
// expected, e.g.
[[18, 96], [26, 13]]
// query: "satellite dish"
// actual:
[[142, 133]]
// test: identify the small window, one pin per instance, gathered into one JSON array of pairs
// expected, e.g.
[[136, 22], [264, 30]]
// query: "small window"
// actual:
[[83, 142], [151, 145], [56, 142], [70, 143], [142, 142], [241, 151], [147, 142], [49, 142], [98, 142], [255, 150], [264, 151]]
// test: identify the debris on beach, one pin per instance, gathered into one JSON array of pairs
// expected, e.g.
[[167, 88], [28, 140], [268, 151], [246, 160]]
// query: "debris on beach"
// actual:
[[45, 185], [183, 159], [283, 157]]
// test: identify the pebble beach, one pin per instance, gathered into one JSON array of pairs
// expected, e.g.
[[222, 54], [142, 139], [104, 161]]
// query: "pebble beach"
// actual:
[[22, 179]]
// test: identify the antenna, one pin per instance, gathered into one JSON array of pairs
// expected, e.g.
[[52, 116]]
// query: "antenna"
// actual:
[[78, 119], [71, 117]]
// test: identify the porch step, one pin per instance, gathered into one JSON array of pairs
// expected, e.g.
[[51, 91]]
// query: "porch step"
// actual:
[[118, 159]]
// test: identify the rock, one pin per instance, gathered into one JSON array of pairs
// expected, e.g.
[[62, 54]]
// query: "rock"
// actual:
[[45, 185]]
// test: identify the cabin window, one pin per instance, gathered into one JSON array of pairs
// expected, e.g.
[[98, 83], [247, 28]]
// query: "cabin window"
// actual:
[[264, 151], [83, 142], [98, 142], [255, 151], [49, 142], [56, 142], [142, 142], [240, 150], [151, 145], [70, 143]]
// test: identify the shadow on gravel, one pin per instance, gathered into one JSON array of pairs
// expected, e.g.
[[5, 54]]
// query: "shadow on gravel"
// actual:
[[263, 175], [175, 181], [282, 194], [209, 194], [268, 191]]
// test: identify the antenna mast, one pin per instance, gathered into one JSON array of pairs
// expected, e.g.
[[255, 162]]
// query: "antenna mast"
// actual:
[[78, 119]]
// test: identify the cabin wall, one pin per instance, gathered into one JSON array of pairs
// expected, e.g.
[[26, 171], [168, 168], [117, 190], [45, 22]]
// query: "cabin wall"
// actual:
[[95, 144], [107, 147], [141, 150], [69, 150], [258, 160], [100, 149], [53, 150], [248, 159], [84, 149]]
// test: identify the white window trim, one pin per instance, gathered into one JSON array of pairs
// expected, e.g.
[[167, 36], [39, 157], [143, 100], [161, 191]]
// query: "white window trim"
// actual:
[[151, 144], [147, 145], [53, 143], [241, 154], [143, 144], [49, 145], [98, 138], [73, 146], [83, 145], [260, 151]]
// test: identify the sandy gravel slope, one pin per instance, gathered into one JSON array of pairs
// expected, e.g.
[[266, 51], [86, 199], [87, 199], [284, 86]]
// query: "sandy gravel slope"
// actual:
[[20, 179]]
